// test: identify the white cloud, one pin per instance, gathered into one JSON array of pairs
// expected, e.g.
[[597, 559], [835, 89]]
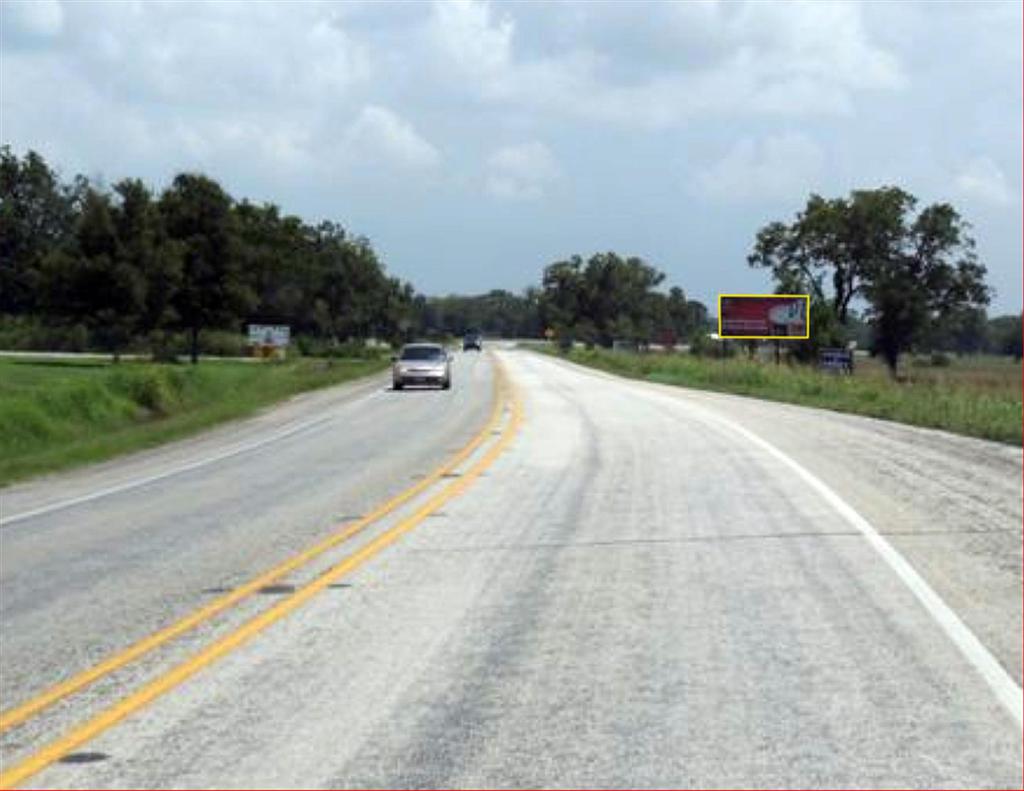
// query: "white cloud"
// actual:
[[521, 171], [982, 180], [350, 109], [778, 167], [25, 20], [378, 134], [466, 32], [793, 59], [216, 86]]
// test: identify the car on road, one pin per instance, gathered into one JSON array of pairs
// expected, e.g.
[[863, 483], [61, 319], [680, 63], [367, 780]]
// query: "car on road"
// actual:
[[472, 340], [422, 364]]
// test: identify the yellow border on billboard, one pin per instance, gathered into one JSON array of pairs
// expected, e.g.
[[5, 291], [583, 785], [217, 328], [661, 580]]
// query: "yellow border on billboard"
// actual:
[[804, 337]]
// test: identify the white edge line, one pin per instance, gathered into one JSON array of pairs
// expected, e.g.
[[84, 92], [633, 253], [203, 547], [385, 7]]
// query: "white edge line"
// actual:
[[132, 484], [1006, 690]]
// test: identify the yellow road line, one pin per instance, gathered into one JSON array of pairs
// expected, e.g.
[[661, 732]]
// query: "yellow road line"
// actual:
[[31, 707], [165, 683]]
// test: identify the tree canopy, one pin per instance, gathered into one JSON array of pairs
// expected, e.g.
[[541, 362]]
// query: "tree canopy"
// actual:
[[612, 298], [915, 271], [126, 263], [130, 263]]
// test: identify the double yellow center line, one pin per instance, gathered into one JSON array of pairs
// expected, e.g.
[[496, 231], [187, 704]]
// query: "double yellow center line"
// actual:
[[178, 674]]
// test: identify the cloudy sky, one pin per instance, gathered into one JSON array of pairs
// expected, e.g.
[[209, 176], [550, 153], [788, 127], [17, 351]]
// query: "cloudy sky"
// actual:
[[475, 142]]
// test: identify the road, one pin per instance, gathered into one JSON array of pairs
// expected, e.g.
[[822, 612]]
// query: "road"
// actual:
[[612, 584]]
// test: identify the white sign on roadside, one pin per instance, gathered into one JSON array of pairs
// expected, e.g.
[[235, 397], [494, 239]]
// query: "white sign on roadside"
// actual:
[[276, 335]]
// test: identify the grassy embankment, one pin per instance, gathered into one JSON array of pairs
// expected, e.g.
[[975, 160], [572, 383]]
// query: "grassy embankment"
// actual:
[[59, 413], [978, 396]]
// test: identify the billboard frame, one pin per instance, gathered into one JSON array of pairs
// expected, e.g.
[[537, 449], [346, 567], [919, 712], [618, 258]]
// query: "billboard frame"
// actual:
[[807, 323]]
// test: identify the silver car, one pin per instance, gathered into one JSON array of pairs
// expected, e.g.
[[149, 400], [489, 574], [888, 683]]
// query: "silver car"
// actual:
[[422, 364]]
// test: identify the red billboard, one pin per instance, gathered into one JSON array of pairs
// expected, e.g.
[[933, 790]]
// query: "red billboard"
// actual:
[[764, 316]]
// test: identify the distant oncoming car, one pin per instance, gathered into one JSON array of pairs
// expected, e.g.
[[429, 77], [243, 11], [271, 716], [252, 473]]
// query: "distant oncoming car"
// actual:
[[472, 340], [422, 364]]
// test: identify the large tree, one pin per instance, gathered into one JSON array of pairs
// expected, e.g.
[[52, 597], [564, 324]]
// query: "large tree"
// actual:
[[145, 247], [213, 291], [90, 280], [609, 298], [930, 276], [837, 240], [36, 217], [279, 264], [911, 270], [562, 302]]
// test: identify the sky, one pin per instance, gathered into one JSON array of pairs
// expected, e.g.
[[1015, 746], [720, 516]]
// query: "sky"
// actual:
[[476, 142]]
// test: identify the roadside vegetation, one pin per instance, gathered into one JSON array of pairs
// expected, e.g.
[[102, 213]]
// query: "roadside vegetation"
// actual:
[[85, 267], [884, 274], [180, 271], [56, 414], [978, 396]]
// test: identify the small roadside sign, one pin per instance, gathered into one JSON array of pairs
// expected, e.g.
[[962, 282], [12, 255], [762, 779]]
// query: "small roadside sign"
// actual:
[[277, 336], [836, 360]]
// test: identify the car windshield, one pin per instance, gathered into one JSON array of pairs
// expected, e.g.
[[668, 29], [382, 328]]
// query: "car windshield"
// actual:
[[421, 353]]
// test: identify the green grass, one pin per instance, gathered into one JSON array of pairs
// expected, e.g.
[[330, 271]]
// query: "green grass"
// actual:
[[977, 396], [56, 414]]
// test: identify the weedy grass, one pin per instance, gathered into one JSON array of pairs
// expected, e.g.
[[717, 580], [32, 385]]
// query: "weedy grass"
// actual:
[[978, 396], [56, 414]]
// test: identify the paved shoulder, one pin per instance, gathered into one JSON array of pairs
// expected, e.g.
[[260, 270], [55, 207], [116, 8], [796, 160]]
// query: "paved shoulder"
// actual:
[[952, 505]]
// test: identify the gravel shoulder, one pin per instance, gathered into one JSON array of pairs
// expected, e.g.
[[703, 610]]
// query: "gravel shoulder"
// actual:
[[952, 505]]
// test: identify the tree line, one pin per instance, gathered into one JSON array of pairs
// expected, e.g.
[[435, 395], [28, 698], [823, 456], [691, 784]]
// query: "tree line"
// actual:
[[609, 297], [880, 271], [915, 272], [498, 313], [128, 263]]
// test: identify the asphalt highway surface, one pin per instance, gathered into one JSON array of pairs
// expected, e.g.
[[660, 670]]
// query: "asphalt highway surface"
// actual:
[[546, 576]]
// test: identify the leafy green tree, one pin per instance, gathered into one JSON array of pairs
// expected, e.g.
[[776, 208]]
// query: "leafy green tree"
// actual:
[[277, 254], [203, 260], [841, 239], [610, 297], [528, 323], [351, 284], [92, 282], [36, 217], [395, 320], [146, 248], [930, 274], [213, 291], [911, 271], [687, 317], [1004, 335], [562, 302], [616, 297]]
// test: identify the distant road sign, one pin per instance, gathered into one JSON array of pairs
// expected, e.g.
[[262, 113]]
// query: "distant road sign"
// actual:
[[276, 335], [838, 360], [764, 316]]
